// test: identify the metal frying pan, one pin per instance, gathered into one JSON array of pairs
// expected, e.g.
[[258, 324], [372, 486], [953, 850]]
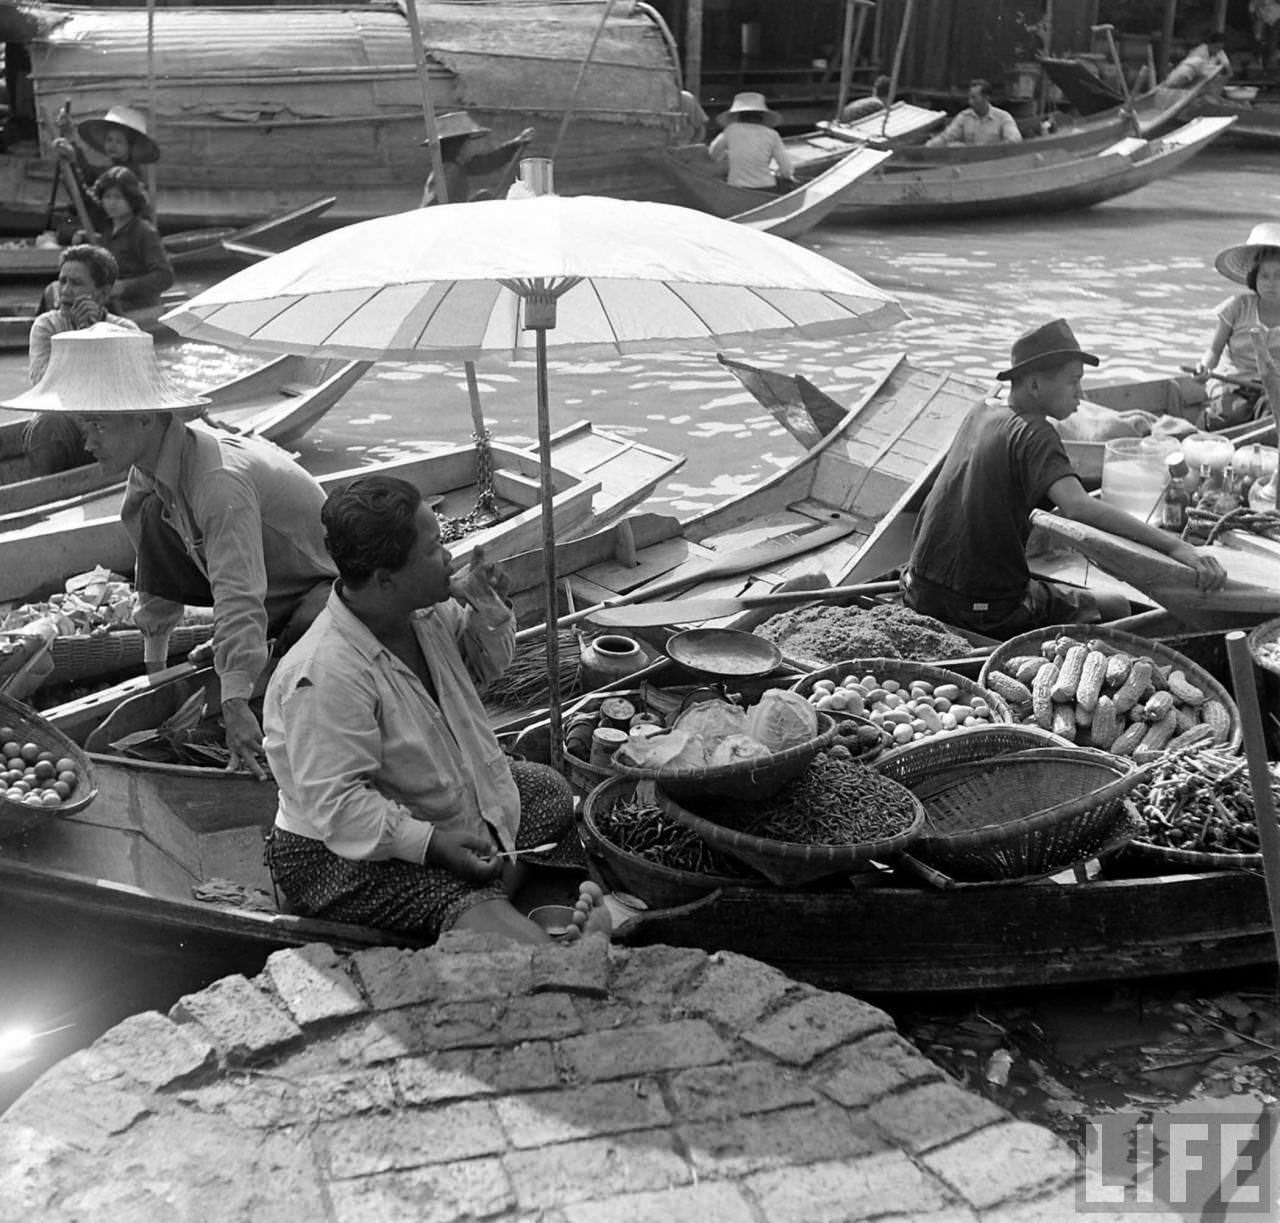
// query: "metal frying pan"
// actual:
[[724, 653]]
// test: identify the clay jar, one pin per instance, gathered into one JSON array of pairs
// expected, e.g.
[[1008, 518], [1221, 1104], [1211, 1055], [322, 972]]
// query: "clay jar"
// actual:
[[610, 657]]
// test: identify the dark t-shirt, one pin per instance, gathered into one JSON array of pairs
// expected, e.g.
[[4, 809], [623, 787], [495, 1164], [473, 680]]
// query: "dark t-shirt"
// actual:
[[972, 534]]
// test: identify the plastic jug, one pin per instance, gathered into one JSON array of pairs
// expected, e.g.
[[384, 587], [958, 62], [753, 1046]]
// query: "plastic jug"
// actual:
[[1134, 473]]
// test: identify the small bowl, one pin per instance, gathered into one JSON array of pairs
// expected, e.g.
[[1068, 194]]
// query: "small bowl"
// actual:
[[1240, 93], [556, 920]]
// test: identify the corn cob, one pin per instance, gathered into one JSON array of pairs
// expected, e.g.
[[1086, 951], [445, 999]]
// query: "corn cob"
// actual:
[[1129, 739], [1041, 695], [1018, 661], [1009, 688], [1069, 677], [1083, 716], [1029, 669], [1159, 677], [1159, 733], [1214, 714], [1064, 722], [1187, 718], [1185, 691], [1200, 733], [1118, 668], [1091, 676], [1137, 682], [1158, 707], [1104, 728]]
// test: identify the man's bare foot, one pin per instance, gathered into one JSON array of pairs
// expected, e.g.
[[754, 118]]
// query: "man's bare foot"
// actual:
[[589, 914]]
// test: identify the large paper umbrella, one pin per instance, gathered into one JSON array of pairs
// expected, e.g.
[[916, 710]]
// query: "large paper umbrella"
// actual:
[[584, 275]]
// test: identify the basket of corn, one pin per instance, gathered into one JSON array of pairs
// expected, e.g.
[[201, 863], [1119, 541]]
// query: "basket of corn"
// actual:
[[1099, 687], [995, 812]]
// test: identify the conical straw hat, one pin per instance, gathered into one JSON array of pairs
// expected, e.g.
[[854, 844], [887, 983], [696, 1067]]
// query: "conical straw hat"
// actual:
[[104, 368], [93, 132], [1236, 262]]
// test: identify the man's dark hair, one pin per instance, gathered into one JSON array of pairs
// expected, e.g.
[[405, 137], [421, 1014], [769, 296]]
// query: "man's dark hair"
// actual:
[[369, 525], [101, 263], [1264, 253], [982, 85], [1217, 38], [880, 88], [126, 182]]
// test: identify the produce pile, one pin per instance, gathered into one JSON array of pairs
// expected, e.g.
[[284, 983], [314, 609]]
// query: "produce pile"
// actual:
[[1200, 801], [902, 714], [1098, 696], [834, 802], [888, 630], [35, 776], [93, 603], [643, 829]]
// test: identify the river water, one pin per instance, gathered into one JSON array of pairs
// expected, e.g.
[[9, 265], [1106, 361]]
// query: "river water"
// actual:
[[1135, 278]]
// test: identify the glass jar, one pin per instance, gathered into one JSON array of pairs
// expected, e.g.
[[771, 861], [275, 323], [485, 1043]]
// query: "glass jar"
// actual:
[[1134, 473]]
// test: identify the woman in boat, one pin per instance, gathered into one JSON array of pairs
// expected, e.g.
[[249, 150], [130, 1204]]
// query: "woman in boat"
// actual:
[[749, 148], [144, 268], [397, 807], [968, 562], [1256, 265], [121, 137], [463, 159], [216, 519]]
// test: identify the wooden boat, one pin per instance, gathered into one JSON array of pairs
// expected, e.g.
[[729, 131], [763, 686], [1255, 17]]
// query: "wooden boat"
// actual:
[[36, 559], [280, 401], [797, 212], [1257, 123], [259, 109], [840, 513], [36, 261], [902, 126], [1010, 186]]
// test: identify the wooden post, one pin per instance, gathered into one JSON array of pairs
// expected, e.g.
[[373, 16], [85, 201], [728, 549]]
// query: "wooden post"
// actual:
[[907, 14], [850, 47], [1166, 40], [577, 84], [1220, 15], [428, 109], [1255, 753], [152, 125], [693, 50]]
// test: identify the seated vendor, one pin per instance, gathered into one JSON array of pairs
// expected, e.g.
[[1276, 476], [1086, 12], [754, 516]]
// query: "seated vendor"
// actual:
[[52, 441], [968, 562], [217, 519], [397, 806], [979, 122]]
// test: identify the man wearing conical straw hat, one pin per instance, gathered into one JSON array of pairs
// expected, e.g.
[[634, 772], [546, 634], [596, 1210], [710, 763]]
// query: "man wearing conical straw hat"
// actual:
[[218, 520]]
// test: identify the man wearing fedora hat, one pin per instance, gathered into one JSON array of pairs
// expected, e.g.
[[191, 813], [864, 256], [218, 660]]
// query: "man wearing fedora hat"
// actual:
[[216, 519], [749, 148], [460, 154], [968, 562], [398, 808]]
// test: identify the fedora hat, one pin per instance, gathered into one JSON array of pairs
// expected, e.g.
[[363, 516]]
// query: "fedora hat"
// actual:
[[1043, 346], [748, 103], [104, 368], [1236, 262], [457, 123], [94, 131]]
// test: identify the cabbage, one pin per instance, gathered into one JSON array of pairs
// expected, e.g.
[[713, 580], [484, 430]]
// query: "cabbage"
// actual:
[[711, 721], [736, 748], [782, 719]]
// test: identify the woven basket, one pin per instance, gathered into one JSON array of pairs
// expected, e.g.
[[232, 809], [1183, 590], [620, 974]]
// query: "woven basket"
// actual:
[[77, 658], [1032, 812], [758, 778], [1168, 858], [1157, 651], [905, 671], [659, 886], [912, 762], [30, 726], [788, 864]]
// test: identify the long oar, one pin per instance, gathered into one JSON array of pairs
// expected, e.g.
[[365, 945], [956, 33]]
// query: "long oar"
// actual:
[[713, 607], [737, 560], [1248, 384]]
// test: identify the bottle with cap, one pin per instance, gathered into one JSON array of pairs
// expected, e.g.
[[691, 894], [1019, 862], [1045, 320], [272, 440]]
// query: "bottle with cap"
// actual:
[[1176, 499]]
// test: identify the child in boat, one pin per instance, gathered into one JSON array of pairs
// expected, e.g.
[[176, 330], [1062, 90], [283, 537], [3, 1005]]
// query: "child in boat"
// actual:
[[749, 147], [1256, 265], [144, 268], [968, 562], [398, 808], [462, 158]]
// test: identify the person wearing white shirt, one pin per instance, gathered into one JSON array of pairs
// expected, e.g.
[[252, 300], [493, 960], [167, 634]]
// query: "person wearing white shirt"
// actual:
[[979, 122]]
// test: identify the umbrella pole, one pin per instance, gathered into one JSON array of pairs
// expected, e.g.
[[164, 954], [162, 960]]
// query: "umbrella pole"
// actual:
[[550, 605]]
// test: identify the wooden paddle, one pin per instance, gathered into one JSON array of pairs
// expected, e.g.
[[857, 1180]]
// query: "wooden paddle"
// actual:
[[736, 560], [687, 611], [1248, 384]]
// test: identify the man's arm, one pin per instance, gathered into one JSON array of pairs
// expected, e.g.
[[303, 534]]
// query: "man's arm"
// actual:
[[951, 134], [1009, 132], [1073, 502]]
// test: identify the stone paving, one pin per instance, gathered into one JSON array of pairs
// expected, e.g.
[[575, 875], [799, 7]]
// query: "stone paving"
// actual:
[[479, 1080]]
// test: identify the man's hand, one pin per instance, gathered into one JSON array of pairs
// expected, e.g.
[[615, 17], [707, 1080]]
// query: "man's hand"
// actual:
[[63, 148], [465, 854], [1210, 575], [244, 737], [84, 312], [482, 583]]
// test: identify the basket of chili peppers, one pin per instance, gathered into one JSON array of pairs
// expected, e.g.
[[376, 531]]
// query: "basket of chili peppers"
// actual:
[[650, 854], [835, 818], [1196, 813]]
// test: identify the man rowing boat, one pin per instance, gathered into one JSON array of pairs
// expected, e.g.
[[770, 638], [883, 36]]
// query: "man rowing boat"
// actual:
[[979, 122], [968, 562]]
